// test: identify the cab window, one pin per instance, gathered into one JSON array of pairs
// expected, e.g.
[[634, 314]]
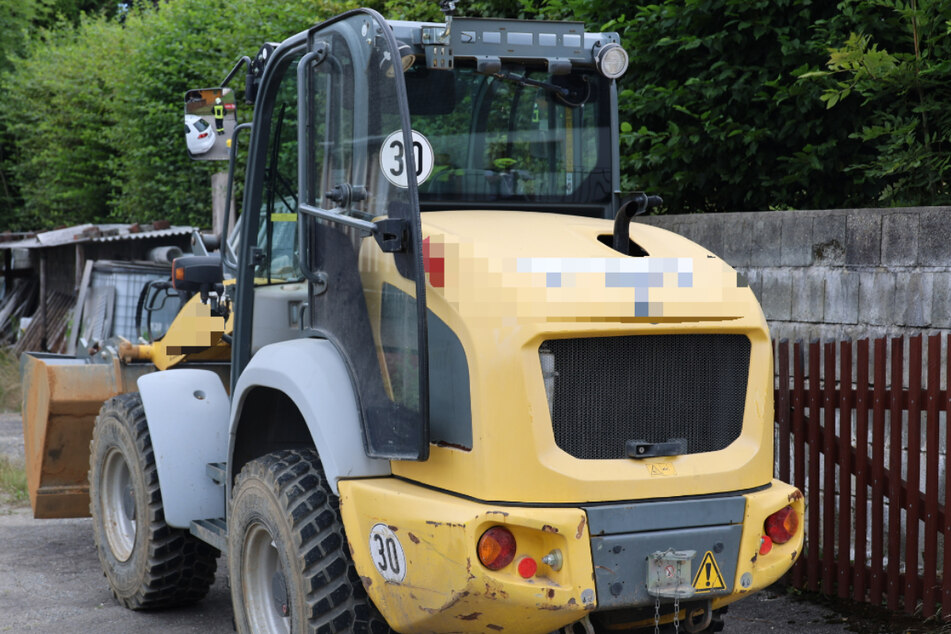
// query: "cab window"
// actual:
[[277, 229]]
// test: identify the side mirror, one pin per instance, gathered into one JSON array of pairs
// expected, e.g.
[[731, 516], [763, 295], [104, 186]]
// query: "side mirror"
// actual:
[[210, 117], [197, 273]]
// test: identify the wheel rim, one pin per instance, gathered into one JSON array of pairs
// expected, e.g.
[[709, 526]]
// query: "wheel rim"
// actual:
[[265, 588], [118, 504]]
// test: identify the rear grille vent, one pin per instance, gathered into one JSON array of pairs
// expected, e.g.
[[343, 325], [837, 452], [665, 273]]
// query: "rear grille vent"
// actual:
[[604, 391]]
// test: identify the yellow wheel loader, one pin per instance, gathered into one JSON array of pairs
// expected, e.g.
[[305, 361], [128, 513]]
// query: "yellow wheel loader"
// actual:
[[435, 380]]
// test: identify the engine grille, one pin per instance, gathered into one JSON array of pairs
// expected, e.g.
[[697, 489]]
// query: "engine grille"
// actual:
[[608, 390]]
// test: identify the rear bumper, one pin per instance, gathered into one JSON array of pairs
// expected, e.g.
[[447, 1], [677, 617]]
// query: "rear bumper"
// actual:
[[724, 532], [444, 588]]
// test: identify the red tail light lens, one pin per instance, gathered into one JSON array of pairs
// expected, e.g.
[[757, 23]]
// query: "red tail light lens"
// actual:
[[527, 567], [782, 525], [496, 548]]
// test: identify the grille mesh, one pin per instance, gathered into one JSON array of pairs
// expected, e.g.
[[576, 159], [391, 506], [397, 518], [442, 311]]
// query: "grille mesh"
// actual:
[[608, 390]]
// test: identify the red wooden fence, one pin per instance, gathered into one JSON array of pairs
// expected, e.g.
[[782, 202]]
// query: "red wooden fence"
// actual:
[[851, 418]]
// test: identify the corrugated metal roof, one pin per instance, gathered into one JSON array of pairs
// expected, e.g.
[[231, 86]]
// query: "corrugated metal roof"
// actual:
[[125, 234], [96, 233]]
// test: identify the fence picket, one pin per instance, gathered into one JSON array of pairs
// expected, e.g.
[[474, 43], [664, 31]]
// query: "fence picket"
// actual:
[[861, 471], [829, 460], [932, 438], [782, 411], [799, 456], [813, 511], [878, 467], [946, 578], [894, 468], [845, 469], [914, 473]]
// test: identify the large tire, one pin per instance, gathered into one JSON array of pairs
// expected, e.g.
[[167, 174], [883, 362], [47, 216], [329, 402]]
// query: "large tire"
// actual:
[[290, 565], [148, 564]]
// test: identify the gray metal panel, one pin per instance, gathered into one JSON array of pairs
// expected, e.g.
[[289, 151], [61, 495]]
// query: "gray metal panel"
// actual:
[[521, 39], [654, 516], [620, 561]]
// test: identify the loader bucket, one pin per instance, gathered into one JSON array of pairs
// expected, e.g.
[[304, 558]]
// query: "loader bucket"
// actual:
[[61, 399]]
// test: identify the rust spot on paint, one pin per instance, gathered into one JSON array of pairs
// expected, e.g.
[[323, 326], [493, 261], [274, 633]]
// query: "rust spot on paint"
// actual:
[[367, 582], [432, 523], [493, 626], [548, 528], [413, 538], [551, 593], [795, 495], [753, 560], [502, 513], [584, 520], [392, 528], [572, 601], [794, 553], [469, 617]]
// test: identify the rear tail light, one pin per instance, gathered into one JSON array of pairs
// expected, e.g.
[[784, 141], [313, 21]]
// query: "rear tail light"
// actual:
[[496, 548], [202, 135], [782, 525], [527, 567]]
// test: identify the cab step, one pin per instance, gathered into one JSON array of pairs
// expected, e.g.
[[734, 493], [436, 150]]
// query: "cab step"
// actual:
[[212, 531], [217, 471]]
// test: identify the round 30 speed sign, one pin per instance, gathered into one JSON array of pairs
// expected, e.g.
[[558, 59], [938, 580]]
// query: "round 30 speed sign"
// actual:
[[387, 553], [393, 158]]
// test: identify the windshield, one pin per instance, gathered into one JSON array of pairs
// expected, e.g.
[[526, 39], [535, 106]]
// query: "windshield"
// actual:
[[520, 136]]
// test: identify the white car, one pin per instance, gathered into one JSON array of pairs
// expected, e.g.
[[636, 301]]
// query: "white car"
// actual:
[[198, 134]]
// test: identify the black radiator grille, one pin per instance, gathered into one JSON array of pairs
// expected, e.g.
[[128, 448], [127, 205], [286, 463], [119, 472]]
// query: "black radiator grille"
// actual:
[[608, 390]]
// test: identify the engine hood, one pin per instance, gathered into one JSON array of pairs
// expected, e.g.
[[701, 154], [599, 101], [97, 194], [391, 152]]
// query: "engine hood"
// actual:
[[532, 266]]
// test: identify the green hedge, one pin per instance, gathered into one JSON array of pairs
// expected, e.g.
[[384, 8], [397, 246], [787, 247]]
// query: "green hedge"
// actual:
[[728, 104]]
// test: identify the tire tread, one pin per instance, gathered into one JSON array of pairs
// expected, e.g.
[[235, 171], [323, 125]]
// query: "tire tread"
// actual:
[[179, 568], [336, 600]]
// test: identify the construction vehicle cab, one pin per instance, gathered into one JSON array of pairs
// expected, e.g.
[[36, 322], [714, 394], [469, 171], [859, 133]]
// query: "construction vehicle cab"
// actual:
[[464, 393]]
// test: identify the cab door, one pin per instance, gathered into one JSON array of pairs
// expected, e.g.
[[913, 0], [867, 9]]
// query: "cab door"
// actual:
[[360, 241]]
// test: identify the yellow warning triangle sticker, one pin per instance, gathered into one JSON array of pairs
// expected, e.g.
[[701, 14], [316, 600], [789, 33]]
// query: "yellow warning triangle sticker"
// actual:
[[708, 577]]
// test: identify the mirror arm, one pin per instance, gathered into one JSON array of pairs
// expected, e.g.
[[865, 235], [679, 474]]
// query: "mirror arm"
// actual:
[[234, 71]]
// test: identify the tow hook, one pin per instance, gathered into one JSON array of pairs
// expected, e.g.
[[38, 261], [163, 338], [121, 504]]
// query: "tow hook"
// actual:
[[697, 618]]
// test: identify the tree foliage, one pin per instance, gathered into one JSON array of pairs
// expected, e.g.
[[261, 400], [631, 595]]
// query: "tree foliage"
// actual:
[[728, 104], [901, 77], [96, 108], [713, 117]]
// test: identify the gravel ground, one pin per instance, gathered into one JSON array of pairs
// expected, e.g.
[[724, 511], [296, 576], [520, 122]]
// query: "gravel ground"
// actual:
[[50, 581]]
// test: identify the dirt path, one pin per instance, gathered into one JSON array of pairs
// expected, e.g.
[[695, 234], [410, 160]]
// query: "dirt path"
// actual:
[[50, 581]]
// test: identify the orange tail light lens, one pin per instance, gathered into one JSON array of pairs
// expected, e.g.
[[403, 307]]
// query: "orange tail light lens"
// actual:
[[496, 548], [782, 525]]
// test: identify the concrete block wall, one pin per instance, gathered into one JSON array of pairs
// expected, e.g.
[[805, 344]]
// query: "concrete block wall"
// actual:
[[836, 274]]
